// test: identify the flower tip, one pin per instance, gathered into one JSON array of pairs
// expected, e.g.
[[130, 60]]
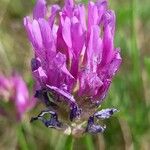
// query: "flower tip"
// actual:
[[39, 9], [69, 3]]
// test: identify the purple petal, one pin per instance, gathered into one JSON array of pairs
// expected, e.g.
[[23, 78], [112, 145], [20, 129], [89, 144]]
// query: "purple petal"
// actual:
[[6, 86], [61, 45], [92, 15], [22, 99], [39, 9], [78, 36], [4, 82], [74, 57], [37, 35], [95, 12], [102, 91], [60, 62], [80, 13], [46, 33], [102, 7], [78, 41], [109, 70], [28, 26], [69, 3], [66, 32], [108, 38], [94, 51], [89, 84], [40, 76], [54, 11], [115, 64]]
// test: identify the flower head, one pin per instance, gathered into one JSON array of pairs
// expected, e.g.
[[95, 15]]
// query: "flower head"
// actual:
[[14, 90], [75, 61]]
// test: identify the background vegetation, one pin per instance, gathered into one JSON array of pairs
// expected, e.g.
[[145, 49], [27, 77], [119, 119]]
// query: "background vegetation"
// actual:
[[130, 91]]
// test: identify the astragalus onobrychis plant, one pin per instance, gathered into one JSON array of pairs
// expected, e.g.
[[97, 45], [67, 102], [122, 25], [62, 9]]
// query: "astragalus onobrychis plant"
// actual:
[[74, 63]]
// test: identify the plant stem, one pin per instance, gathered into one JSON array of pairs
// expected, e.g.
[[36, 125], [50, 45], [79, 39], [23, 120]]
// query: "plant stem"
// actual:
[[69, 143], [21, 138]]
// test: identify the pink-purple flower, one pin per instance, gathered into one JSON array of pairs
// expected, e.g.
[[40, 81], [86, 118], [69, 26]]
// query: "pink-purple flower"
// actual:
[[75, 61], [14, 90]]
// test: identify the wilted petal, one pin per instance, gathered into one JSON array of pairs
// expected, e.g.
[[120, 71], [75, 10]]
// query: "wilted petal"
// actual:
[[43, 96], [35, 64], [93, 128], [75, 112], [105, 113], [51, 122], [67, 96]]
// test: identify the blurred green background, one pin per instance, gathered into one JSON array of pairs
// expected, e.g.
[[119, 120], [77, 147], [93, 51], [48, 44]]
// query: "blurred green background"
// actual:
[[130, 90]]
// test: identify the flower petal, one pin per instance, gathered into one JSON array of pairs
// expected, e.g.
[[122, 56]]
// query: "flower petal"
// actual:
[[37, 35], [54, 11], [39, 9], [51, 122], [66, 32], [92, 128], [21, 99], [105, 113], [108, 37], [66, 96], [102, 92], [46, 33], [69, 3]]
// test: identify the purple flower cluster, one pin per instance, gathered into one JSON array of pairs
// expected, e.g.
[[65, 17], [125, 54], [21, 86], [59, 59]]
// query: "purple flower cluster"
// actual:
[[14, 90], [75, 61]]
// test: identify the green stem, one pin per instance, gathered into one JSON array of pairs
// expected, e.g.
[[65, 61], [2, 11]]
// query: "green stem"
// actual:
[[69, 143], [21, 137], [88, 142]]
